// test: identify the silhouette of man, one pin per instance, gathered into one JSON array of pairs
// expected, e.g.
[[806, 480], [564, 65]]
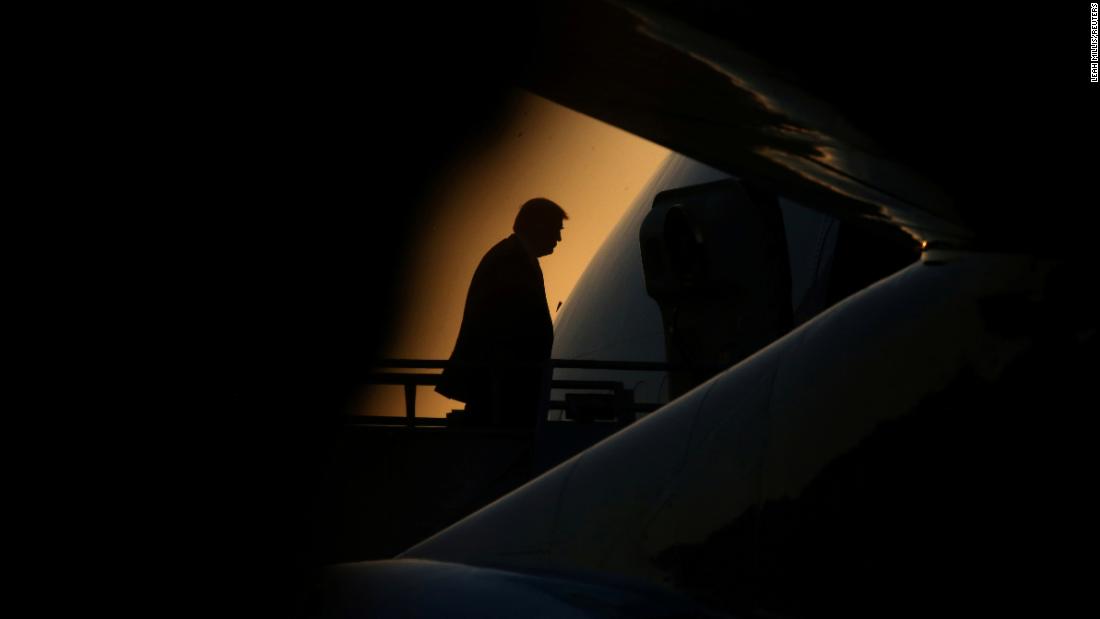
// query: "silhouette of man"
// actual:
[[506, 334]]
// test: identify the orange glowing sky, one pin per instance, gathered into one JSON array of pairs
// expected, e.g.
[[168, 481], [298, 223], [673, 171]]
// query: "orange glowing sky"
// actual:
[[593, 170]]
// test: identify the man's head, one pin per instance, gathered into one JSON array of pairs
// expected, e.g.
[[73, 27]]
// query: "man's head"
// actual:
[[539, 223]]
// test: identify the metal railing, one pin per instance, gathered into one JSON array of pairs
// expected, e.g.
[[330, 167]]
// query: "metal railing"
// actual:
[[410, 381]]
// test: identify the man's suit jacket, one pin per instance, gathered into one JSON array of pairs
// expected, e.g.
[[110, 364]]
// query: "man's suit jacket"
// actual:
[[505, 338]]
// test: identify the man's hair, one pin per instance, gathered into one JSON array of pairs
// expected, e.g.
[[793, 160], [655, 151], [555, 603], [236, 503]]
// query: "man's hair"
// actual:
[[538, 213]]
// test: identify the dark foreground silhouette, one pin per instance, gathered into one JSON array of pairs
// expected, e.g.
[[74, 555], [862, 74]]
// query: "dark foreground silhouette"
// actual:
[[499, 360]]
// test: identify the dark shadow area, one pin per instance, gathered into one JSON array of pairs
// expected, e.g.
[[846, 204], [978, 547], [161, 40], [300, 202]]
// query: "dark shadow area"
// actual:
[[864, 254], [391, 488], [269, 166]]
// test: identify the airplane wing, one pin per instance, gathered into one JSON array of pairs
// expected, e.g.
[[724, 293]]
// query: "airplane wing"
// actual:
[[929, 142]]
